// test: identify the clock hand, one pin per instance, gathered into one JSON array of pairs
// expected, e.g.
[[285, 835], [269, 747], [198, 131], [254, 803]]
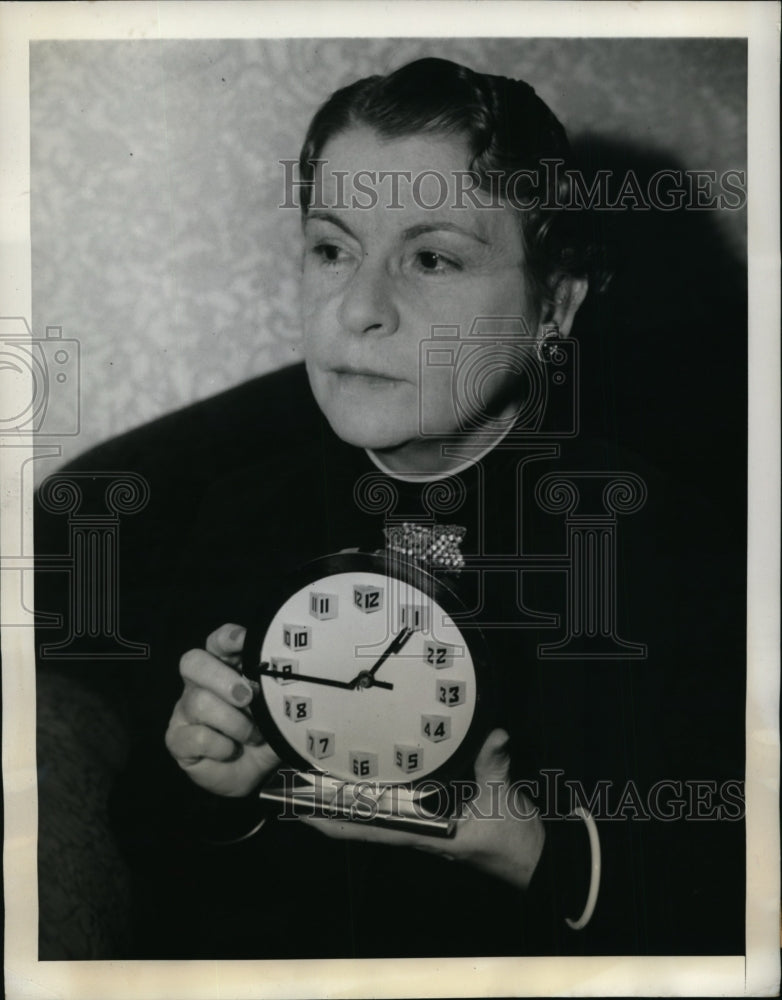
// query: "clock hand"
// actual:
[[330, 682], [392, 649], [367, 677]]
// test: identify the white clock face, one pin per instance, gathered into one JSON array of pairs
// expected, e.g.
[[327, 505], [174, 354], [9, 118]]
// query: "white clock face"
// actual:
[[368, 678]]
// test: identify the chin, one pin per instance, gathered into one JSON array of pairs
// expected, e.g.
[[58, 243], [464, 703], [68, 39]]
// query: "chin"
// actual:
[[366, 433], [364, 417]]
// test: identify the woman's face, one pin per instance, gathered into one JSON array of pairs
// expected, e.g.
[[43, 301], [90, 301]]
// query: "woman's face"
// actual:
[[377, 279]]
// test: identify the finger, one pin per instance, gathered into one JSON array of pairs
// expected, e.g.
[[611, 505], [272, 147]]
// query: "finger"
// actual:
[[493, 761], [202, 707], [236, 777], [191, 744], [204, 670], [226, 643]]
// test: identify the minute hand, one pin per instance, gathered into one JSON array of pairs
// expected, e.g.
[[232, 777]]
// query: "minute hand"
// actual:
[[329, 681]]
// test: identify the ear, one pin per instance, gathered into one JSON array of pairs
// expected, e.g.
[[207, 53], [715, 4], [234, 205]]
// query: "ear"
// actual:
[[568, 294]]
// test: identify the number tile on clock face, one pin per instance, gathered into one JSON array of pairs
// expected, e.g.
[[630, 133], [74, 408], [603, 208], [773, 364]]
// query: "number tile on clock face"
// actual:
[[367, 598], [286, 666], [436, 727], [323, 606], [320, 743], [408, 758], [296, 708], [362, 764], [451, 692], [297, 636], [438, 654], [415, 616]]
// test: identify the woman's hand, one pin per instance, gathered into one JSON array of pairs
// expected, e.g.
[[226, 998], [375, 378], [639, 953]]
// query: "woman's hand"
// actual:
[[495, 836], [211, 734]]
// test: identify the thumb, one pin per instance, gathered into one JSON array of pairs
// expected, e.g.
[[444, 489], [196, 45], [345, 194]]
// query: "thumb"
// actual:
[[493, 761]]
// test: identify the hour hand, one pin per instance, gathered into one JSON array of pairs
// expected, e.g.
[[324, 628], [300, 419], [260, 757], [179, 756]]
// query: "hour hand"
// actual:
[[367, 677], [393, 647]]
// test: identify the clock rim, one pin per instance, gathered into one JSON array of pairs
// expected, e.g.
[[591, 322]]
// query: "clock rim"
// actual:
[[384, 564]]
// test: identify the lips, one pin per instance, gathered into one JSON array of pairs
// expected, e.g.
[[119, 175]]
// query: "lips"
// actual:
[[364, 373]]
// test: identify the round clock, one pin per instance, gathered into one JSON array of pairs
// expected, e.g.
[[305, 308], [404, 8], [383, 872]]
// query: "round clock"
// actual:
[[364, 675]]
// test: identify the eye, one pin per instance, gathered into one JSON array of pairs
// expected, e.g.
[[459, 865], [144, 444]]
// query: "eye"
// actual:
[[329, 253], [433, 262]]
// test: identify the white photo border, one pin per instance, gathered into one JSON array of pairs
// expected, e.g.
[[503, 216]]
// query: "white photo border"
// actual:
[[756, 973]]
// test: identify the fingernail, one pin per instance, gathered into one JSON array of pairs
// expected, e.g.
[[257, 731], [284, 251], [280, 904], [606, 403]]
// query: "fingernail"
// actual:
[[236, 633], [241, 694], [255, 739]]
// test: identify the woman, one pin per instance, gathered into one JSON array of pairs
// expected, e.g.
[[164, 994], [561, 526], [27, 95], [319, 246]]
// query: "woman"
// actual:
[[376, 280]]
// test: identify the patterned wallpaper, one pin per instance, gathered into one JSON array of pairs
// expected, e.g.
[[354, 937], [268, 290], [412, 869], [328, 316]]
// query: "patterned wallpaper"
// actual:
[[156, 237]]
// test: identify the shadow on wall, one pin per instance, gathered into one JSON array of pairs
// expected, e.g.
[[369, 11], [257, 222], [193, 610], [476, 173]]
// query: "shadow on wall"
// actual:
[[664, 348]]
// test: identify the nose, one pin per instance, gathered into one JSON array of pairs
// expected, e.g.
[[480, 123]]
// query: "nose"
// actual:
[[367, 305]]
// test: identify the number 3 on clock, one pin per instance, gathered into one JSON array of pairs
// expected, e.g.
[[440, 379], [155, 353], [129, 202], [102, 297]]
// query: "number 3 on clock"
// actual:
[[451, 692]]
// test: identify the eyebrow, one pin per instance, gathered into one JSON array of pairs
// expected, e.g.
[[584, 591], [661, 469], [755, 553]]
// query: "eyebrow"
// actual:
[[450, 227], [318, 216], [411, 233]]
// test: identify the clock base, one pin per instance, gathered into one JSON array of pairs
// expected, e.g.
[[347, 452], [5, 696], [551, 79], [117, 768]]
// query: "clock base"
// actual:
[[390, 806]]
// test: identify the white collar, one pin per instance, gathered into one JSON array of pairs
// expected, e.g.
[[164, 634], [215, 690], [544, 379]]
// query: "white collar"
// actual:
[[426, 477]]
